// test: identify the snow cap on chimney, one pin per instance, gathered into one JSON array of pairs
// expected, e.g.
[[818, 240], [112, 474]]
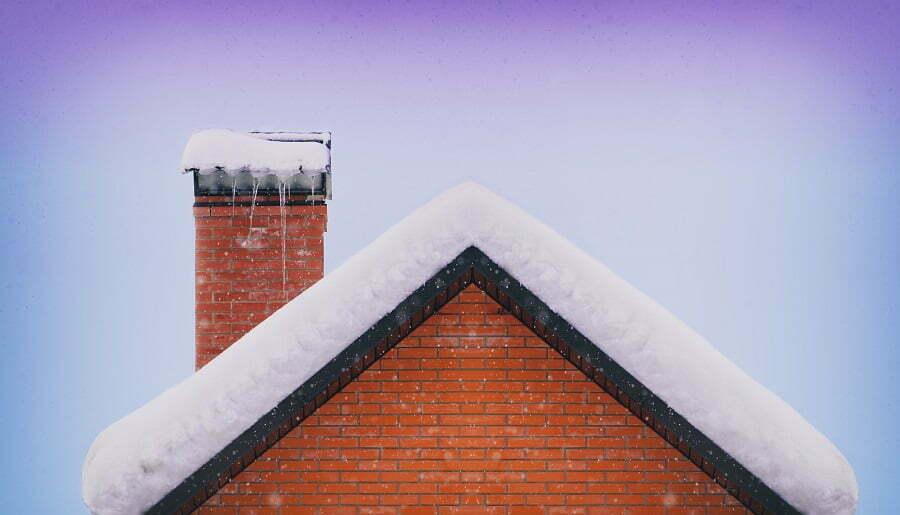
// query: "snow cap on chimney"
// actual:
[[224, 161]]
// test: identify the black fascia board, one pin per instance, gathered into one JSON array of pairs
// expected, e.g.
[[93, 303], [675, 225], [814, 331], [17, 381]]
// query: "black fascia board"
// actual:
[[634, 389], [470, 259]]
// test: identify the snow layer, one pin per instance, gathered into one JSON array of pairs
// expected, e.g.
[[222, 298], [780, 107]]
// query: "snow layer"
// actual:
[[281, 154], [142, 457]]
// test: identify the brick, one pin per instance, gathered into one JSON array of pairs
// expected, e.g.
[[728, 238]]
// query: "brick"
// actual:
[[472, 419], [472, 330], [472, 510], [526, 420], [416, 510], [417, 488]]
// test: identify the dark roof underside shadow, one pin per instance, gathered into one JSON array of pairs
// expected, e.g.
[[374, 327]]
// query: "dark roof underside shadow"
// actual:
[[472, 266]]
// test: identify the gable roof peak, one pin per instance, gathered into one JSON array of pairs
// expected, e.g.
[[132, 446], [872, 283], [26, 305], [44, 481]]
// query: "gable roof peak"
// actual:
[[138, 460]]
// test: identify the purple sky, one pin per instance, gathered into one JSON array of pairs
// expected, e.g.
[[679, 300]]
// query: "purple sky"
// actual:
[[738, 163]]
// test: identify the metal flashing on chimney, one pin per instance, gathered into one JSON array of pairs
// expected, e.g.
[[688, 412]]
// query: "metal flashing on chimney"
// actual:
[[223, 184]]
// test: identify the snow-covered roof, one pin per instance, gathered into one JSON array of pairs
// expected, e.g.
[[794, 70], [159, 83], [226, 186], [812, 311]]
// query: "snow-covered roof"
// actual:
[[139, 459], [260, 153]]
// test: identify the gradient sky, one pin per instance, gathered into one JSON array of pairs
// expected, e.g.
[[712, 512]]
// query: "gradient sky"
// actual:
[[740, 164]]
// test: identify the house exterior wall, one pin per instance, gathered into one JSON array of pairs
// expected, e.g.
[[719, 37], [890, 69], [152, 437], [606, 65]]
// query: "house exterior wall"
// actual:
[[243, 274], [472, 413]]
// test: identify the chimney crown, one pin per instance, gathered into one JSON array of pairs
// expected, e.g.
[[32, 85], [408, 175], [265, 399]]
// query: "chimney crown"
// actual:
[[227, 162]]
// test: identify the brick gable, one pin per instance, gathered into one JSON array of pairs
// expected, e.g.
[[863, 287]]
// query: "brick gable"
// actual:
[[472, 412]]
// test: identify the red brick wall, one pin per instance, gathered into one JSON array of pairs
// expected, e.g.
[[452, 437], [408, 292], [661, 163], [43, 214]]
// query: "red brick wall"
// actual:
[[239, 270], [472, 413]]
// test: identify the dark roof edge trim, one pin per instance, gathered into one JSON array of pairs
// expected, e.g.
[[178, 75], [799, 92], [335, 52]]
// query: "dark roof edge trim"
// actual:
[[376, 341], [546, 321]]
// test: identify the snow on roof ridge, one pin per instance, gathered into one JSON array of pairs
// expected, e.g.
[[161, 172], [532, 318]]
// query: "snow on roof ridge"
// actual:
[[139, 459], [261, 153]]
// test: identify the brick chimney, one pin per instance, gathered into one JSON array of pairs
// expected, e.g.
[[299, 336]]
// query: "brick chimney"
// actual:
[[259, 236]]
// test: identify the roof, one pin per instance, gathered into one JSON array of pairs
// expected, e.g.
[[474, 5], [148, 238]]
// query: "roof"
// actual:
[[656, 361], [283, 154]]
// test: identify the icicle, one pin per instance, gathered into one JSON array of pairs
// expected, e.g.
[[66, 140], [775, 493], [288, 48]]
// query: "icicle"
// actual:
[[288, 195], [233, 192], [253, 205], [282, 198]]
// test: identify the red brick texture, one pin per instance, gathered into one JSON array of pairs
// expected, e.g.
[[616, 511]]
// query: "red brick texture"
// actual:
[[243, 274], [472, 413]]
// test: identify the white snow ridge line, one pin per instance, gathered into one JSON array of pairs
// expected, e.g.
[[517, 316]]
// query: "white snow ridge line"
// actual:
[[135, 462]]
